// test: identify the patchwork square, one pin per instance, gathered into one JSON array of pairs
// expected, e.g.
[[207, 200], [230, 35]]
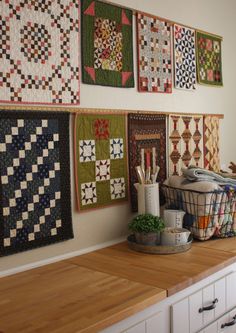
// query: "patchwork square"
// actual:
[[117, 187], [209, 63], [88, 193], [37, 61], [154, 54], [103, 170], [145, 133], [212, 143], [116, 148], [35, 185], [107, 52], [185, 142], [102, 181], [87, 150], [184, 57]]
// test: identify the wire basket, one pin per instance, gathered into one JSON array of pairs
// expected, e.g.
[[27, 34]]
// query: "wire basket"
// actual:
[[208, 214]]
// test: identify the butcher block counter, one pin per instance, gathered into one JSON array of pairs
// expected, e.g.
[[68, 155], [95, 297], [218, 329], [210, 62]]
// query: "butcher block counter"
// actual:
[[93, 291]]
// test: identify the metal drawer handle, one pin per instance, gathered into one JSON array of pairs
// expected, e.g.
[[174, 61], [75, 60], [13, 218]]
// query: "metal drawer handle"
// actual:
[[231, 323], [210, 307]]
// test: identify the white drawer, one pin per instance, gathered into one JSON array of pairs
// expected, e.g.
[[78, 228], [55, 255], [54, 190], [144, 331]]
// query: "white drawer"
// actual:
[[196, 311], [226, 324]]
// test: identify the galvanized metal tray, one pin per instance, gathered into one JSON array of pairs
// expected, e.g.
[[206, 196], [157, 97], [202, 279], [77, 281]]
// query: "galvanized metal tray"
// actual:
[[158, 249]]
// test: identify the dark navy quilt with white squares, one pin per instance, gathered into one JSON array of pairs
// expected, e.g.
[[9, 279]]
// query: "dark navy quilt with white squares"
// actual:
[[35, 207]]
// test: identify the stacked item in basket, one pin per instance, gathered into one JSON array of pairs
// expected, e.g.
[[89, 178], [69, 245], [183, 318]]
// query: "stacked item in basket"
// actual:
[[209, 200]]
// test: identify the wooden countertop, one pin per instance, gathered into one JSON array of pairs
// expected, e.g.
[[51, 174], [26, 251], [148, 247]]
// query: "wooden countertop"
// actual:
[[66, 298], [171, 272], [93, 291]]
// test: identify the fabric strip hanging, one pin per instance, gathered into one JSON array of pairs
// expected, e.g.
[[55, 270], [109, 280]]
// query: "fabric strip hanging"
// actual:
[[211, 144], [185, 142]]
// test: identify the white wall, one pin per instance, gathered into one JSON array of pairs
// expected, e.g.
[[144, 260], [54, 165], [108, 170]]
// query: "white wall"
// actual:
[[215, 16]]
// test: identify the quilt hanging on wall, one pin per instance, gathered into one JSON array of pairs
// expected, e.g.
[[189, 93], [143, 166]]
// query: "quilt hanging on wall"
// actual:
[[184, 57], [209, 65], [147, 140], [211, 143], [154, 54], [185, 142], [35, 203], [107, 45], [100, 160], [39, 56]]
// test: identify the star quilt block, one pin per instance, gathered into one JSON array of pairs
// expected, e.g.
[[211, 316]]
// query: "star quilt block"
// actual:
[[209, 62], [184, 57], [107, 52], [35, 198], [154, 54], [101, 174], [39, 55]]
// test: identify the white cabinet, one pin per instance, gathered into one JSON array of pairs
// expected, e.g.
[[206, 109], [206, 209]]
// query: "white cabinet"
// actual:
[[202, 308], [225, 324], [139, 328], [205, 305]]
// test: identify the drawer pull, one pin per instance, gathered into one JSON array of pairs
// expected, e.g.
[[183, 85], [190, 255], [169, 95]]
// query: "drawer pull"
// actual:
[[210, 307], [231, 323]]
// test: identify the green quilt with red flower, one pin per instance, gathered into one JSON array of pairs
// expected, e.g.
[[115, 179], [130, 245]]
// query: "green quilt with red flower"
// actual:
[[107, 47], [100, 160], [209, 66]]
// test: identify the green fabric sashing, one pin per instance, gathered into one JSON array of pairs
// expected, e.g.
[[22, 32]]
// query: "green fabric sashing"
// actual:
[[107, 46], [209, 63], [100, 160]]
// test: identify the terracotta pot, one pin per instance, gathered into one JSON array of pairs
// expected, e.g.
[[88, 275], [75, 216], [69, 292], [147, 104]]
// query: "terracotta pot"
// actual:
[[151, 238]]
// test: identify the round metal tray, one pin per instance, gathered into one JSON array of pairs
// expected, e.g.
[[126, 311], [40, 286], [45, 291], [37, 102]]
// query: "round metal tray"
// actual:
[[157, 249]]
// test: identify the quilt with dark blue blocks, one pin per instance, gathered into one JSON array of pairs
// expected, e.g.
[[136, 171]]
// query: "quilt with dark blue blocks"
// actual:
[[35, 201]]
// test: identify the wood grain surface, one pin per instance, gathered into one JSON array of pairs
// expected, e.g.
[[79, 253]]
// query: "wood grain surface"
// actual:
[[225, 244], [66, 298], [171, 272]]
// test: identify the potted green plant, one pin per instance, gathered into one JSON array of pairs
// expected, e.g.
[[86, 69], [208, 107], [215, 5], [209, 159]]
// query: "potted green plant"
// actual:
[[147, 228]]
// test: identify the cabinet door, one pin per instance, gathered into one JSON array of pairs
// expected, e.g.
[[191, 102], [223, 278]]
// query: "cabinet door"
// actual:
[[155, 324], [220, 288], [208, 297], [139, 328], [180, 317], [210, 329], [231, 290], [196, 318]]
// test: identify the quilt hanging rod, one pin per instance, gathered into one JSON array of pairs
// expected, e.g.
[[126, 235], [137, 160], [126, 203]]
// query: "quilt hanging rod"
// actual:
[[135, 11], [76, 110]]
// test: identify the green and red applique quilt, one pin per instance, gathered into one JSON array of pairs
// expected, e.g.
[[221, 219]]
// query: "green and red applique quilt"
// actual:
[[100, 160], [107, 46], [209, 63]]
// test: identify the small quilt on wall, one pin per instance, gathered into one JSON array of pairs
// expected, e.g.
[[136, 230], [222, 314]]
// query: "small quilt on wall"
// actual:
[[35, 198], [184, 57], [39, 56], [100, 160], [146, 132], [154, 54], [185, 142], [209, 66], [211, 143], [107, 45]]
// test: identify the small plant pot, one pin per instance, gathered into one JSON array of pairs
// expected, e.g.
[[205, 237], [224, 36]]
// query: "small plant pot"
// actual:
[[150, 238]]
